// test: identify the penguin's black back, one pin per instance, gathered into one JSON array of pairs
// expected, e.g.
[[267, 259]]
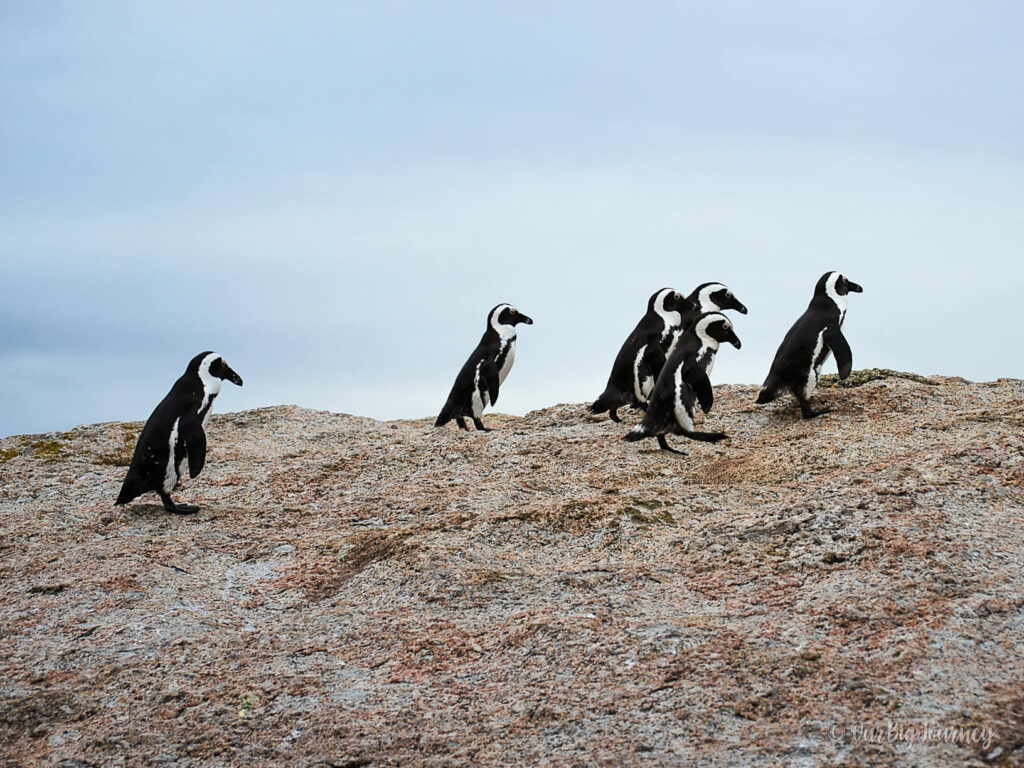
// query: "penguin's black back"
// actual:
[[460, 400], [619, 390], [149, 462], [660, 417], [793, 359], [648, 331]]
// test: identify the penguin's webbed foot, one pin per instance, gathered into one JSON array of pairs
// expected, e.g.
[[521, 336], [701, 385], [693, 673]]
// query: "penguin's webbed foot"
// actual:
[[613, 414], [462, 424], [809, 413], [666, 447], [177, 509], [480, 425]]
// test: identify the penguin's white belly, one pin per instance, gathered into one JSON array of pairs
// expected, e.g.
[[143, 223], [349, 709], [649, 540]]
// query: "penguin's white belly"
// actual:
[[182, 466], [818, 359], [479, 399], [640, 387], [506, 365], [646, 387], [206, 416], [710, 366], [171, 472], [672, 344], [684, 417]]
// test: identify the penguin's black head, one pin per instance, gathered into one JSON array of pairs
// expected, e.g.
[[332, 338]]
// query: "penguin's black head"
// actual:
[[845, 286], [718, 327], [222, 370], [711, 295], [507, 315], [216, 366], [836, 282], [668, 300]]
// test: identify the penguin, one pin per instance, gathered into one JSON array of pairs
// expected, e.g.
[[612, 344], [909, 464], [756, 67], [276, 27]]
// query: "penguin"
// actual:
[[477, 384], [642, 356], [710, 297], [706, 297], [684, 382], [806, 347], [175, 432]]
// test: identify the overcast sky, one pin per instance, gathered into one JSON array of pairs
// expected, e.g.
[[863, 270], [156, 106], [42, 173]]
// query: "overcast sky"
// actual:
[[333, 195]]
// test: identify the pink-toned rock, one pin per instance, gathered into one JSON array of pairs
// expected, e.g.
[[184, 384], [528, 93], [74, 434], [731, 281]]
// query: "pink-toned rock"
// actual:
[[359, 593]]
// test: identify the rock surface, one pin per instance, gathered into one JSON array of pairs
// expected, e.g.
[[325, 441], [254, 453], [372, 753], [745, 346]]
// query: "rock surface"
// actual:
[[361, 593]]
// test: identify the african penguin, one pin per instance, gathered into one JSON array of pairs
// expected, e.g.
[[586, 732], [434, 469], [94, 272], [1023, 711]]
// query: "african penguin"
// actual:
[[806, 347], [175, 432], [477, 384], [706, 297], [684, 382], [642, 356]]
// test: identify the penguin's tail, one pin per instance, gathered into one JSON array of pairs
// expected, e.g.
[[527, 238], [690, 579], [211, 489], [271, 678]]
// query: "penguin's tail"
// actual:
[[131, 489], [639, 432], [767, 394], [706, 437], [606, 402], [444, 417]]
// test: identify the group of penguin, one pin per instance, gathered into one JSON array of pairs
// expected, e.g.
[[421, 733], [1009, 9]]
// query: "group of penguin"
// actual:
[[662, 369]]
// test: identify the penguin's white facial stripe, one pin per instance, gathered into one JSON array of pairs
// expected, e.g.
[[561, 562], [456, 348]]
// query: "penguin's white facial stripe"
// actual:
[[706, 339], [832, 293], [504, 331], [707, 304], [211, 384], [671, 319]]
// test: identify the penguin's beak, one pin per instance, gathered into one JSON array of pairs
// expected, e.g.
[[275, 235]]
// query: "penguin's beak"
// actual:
[[231, 376], [735, 340], [524, 319], [852, 286], [740, 308]]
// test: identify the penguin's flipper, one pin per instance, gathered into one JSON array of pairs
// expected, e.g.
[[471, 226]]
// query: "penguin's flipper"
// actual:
[[701, 386], [654, 356], [840, 347], [490, 373], [195, 445], [642, 375]]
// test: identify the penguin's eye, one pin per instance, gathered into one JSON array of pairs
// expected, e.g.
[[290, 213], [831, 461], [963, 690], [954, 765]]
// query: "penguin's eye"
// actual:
[[728, 294]]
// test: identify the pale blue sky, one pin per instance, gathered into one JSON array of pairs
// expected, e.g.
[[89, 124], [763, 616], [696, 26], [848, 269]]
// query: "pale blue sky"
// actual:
[[333, 195]]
